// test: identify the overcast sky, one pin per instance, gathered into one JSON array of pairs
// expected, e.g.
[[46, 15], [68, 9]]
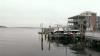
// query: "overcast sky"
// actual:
[[33, 12]]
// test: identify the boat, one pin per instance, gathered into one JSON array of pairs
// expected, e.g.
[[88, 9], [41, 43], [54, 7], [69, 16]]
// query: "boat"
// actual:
[[57, 34], [68, 33], [75, 33]]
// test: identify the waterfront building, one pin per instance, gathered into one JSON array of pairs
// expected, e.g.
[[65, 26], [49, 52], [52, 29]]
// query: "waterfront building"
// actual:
[[77, 22], [89, 20], [98, 23]]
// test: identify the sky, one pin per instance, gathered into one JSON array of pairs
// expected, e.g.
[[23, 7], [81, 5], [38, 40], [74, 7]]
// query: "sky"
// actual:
[[31, 13]]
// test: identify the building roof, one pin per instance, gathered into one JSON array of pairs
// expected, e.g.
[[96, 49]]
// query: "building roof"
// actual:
[[82, 15], [88, 13], [76, 17]]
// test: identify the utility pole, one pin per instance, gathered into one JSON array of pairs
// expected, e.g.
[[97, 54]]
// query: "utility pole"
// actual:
[[41, 26]]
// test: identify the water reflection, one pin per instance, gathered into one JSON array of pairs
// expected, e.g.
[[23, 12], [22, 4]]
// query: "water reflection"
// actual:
[[42, 42], [77, 47], [49, 46]]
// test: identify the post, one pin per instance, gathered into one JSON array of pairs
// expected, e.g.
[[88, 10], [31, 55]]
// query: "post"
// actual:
[[42, 42], [41, 26]]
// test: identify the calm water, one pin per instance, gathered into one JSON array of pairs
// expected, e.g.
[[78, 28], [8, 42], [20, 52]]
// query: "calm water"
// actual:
[[27, 42]]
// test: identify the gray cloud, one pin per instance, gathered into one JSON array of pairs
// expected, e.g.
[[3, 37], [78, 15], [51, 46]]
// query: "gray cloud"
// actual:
[[34, 12]]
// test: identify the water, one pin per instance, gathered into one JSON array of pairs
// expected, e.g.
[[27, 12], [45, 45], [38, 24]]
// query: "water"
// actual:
[[27, 42]]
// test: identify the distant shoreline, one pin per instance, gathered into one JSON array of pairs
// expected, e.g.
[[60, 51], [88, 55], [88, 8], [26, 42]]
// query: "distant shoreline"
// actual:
[[19, 27], [3, 27]]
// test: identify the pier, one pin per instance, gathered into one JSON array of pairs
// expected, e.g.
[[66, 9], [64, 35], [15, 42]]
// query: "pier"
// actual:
[[78, 34], [85, 41]]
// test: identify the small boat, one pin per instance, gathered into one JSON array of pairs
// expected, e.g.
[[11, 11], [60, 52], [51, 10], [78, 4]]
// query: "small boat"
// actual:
[[75, 33], [57, 34]]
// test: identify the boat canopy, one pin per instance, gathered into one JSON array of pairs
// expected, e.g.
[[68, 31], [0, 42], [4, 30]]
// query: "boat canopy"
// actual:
[[73, 30]]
